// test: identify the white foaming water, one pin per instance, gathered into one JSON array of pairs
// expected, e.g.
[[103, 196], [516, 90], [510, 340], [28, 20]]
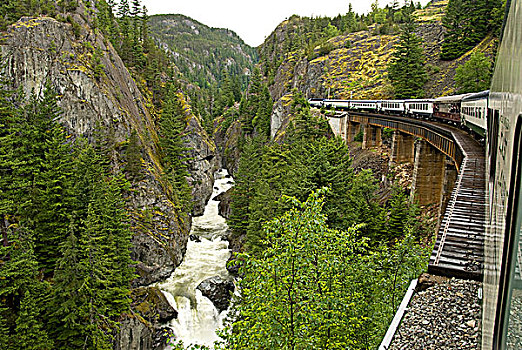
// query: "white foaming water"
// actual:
[[198, 319]]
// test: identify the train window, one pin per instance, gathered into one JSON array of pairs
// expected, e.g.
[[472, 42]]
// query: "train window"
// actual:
[[511, 316], [493, 125]]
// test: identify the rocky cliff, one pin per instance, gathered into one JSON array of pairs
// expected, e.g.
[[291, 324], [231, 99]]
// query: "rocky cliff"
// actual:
[[100, 101], [203, 161]]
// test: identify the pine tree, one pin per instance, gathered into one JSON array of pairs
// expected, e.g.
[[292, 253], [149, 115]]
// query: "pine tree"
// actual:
[[407, 71], [9, 146], [398, 215], [29, 332], [4, 329], [474, 75], [467, 22], [171, 127], [47, 208], [67, 298], [261, 121]]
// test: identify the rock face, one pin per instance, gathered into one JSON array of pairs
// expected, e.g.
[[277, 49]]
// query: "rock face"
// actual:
[[204, 161], [218, 291], [227, 141], [146, 331], [224, 200]]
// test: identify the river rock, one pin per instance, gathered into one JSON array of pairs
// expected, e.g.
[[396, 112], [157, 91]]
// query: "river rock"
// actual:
[[195, 238], [224, 200], [218, 291]]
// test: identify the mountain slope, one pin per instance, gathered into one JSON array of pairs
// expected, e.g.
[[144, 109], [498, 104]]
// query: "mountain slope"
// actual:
[[202, 53]]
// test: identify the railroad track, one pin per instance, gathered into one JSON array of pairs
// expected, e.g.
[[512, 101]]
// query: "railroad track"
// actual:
[[459, 247]]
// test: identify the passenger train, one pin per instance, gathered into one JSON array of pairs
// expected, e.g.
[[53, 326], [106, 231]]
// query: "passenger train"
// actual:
[[466, 110], [497, 116]]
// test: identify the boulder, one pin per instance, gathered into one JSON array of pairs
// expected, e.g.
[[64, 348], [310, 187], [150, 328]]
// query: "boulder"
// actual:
[[224, 200], [195, 238], [218, 290]]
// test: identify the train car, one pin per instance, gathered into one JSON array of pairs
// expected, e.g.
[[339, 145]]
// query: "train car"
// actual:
[[316, 102], [419, 108], [369, 105], [473, 112], [448, 108], [391, 106], [502, 293], [337, 104]]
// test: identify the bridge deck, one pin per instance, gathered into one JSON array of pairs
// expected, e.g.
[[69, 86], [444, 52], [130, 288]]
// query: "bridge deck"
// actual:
[[459, 249]]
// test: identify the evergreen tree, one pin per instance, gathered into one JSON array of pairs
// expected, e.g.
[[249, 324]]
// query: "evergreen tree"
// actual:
[[4, 329], [29, 332], [261, 121], [245, 182], [10, 127], [474, 75], [398, 216], [171, 128], [67, 297], [92, 277], [47, 208], [467, 22], [407, 71]]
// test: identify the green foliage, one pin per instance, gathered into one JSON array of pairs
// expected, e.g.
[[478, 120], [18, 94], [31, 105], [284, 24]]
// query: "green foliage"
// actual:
[[256, 108], [29, 331], [308, 160], [133, 156], [406, 71], [53, 188], [310, 36], [215, 62], [171, 128], [12, 10], [474, 75], [213, 50], [314, 287], [467, 22]]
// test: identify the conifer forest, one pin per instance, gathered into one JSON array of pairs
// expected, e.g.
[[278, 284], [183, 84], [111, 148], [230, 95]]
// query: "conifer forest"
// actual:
[[113, 123]]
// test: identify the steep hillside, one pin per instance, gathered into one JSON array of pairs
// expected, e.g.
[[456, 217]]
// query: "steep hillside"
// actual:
[[100, 100], [201, 53], [354, 65]]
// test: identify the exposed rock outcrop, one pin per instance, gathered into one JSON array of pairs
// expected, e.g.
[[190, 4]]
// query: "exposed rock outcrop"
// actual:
[[204, 161], [144, 330], [100, 101], [218, 290], [227, 141], [224, 200]]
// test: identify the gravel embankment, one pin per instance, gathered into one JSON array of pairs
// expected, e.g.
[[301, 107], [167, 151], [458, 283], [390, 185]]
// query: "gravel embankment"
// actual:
[[444, 316]]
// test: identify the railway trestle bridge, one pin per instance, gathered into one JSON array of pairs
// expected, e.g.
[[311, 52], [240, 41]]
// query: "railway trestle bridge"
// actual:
[[449, 170]]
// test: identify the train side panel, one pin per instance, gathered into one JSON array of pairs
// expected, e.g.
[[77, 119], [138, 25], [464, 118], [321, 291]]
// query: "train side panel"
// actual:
[[474, 112], [419, 108], [503, 253], [392, 106], [364, 105]]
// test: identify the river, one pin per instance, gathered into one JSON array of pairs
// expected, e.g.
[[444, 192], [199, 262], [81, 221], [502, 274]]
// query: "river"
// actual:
[[198, 319]]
